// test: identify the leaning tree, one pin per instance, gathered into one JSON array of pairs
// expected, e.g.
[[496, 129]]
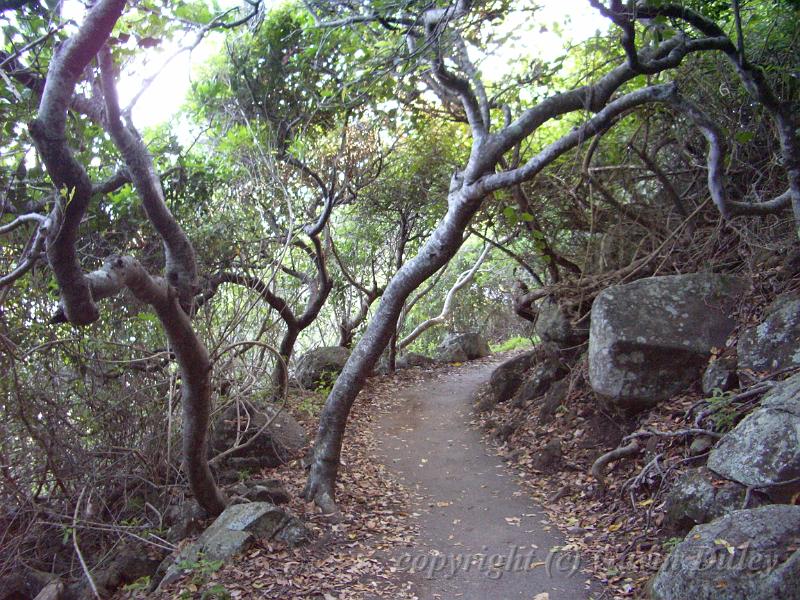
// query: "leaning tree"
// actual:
[[437, 39]]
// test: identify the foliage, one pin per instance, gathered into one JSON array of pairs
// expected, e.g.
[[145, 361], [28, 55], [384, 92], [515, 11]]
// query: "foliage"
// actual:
[[514, 343], [201, 573], [723, 412]]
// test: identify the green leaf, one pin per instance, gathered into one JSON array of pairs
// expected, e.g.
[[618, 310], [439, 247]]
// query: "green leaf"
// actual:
[[743, 137]]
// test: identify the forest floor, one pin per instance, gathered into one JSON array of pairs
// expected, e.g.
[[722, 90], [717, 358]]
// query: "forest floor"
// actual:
[[429, 510]]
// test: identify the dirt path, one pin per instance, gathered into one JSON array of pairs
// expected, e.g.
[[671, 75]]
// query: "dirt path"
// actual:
[[481, 537]]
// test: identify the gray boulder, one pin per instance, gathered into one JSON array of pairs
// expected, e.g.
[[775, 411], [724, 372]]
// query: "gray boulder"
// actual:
[[234, 531], [278, 443], [745, 555], [509, 375], [553, 325], [694, 499], [775, 343], [184, 520], [763, 450], [652, 338], [460, 347], [320, 367]]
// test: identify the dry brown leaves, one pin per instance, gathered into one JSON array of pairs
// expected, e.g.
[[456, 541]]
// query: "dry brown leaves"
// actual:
[[346, 559], [618, 534]]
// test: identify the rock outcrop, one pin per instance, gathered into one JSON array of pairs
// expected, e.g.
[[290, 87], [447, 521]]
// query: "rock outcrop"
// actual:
[[775, 343], [234, 531], [720, 375], [280, 441], [320, 367], [763, 450], [652, 338], [553, 325], [549, 369], [509, 375], [694, 499], [746, 555]]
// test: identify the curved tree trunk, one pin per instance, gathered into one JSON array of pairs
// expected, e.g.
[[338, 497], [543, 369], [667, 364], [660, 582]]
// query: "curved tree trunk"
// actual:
[[279, 379], [171, 298], [440, 248], [467, 190]]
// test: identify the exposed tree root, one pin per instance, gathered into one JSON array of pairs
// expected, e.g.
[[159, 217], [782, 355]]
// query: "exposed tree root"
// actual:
[[598, 468]]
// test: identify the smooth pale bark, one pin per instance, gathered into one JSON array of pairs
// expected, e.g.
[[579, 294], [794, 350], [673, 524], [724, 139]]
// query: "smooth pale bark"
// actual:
[[463, 280], [753, 80], [48, 131], [171, 300], [464, 200], [192, 358]]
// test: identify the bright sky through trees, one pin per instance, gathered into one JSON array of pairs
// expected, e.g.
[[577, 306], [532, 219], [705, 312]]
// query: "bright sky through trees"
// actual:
[[557, 24]]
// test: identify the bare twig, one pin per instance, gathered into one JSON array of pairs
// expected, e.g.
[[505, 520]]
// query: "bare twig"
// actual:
[[78, 552]]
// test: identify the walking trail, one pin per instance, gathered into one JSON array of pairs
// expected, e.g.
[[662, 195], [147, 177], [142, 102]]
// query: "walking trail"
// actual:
[[480, 537]]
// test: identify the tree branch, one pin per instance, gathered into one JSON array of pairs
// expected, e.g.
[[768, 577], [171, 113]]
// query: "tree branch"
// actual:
[[69, 177], [462, 281], [181, 267], [715, 158], [507, 251], [504, 179]]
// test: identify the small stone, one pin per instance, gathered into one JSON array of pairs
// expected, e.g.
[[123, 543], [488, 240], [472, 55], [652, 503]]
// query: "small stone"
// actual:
[[268, 490], [720, 375], [701, 444], [549, 458]]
